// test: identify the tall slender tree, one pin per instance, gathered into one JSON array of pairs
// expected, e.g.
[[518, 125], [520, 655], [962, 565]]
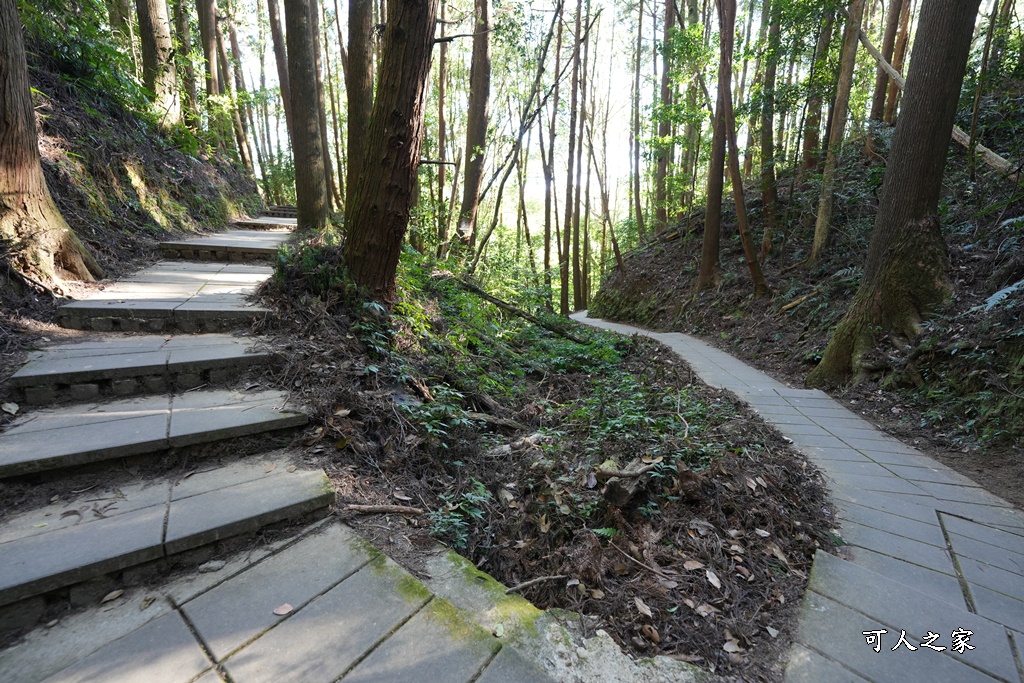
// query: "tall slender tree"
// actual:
[[476, 120], [310, 176], [158, 72], [359, 88], [190, 107], [207, 11], [281, 59], [573, 117], [663, 150]]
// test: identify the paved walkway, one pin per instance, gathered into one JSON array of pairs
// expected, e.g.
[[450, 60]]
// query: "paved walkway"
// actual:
[[927, 551]]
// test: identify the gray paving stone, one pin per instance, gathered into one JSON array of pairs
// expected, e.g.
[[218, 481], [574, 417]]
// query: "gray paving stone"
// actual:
[[988, 576], [841, 452], [897, 546], [509, 667], [992, 515], [236, 611], [33, 565], [825, 440], [199, 417], [807, 666], [863, 467], [925, 532], [828, 626], [912, 507], [984, 533], [877, 448], [230, 474], [432, 646], [35, 451], [888, 484], [208, 517], [999, 607], [330, 634], [836, 411], [898, 606], [85, 368], [805, 429], [162, 651], [939, 585], [857, 434], [937, 474], [1004, 558], [962, 494]]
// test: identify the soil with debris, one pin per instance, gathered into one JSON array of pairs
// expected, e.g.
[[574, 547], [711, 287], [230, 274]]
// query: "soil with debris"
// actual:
[[956, 392], [706, 561]]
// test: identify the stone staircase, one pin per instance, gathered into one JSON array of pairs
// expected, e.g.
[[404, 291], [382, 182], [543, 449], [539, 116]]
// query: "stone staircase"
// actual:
[[116, 423]]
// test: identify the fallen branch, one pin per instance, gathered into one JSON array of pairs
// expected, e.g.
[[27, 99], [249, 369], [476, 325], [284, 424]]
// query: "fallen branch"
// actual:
[[959, 135], [383, 509], [657, 570], [505, 306], [540, 579], [796, 302], [625, 474]]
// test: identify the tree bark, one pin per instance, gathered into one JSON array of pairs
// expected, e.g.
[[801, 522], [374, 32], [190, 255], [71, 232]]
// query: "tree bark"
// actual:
[[237, 123], [847, 61], [573, 115], [892, 23], [380, 214], [158, 72], [442, 138], [281, 58], [663, 150], [47, 249], [359, 88], [321, 108], [708, 275], [307, 143], [476, 121], [338, 192], [906, 273], [207, 11], [899, 54], [812, 125], [769, 182], [181, 27], [641, 231]]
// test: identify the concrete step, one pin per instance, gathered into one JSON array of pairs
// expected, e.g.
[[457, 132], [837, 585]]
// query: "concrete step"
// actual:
[[56, 438], [232, 245], [168, 296], [267, 223], [111, 529], [282, 211], [109, 365], [848, 610]]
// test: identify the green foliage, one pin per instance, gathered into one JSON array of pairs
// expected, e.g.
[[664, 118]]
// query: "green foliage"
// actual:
[[316, 266], [460, 512], [78, 44]]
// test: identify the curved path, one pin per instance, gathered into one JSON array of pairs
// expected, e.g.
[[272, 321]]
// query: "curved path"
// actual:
[[927, 552]]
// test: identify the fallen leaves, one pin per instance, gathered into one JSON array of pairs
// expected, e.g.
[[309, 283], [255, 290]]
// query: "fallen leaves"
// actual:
[[713, 579], [642, 607], [112, 595], [10, 408], [283, 610]]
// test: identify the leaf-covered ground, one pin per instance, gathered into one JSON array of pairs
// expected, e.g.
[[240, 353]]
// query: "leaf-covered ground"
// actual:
[[499, 430]]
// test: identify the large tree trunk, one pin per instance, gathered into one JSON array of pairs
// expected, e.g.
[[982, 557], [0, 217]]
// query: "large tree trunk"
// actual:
[[237, 124], [281, 58], [847, 62], [380, 215], [476, 121], [45, 248], [188, 74], [307, 143], [906, 274], [548, 161], [359, 89], [207, 11], [158, 72], [663, 148], [442, 139]]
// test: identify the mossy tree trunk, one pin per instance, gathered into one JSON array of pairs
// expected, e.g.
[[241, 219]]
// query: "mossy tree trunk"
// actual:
[[476, 121], [44, 247], [359, 88], [906, 276], [158, 72], [380, 212]]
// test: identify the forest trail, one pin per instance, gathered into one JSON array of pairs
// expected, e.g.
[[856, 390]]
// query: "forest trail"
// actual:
[[166, 534], [926, 551]]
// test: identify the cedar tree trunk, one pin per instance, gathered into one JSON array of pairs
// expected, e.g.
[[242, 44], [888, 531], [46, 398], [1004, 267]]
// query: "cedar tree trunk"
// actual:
[[476, 121], [906, 276], [44, 247], [380, 214], [359, 86], [158, 71], [307, 143]]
